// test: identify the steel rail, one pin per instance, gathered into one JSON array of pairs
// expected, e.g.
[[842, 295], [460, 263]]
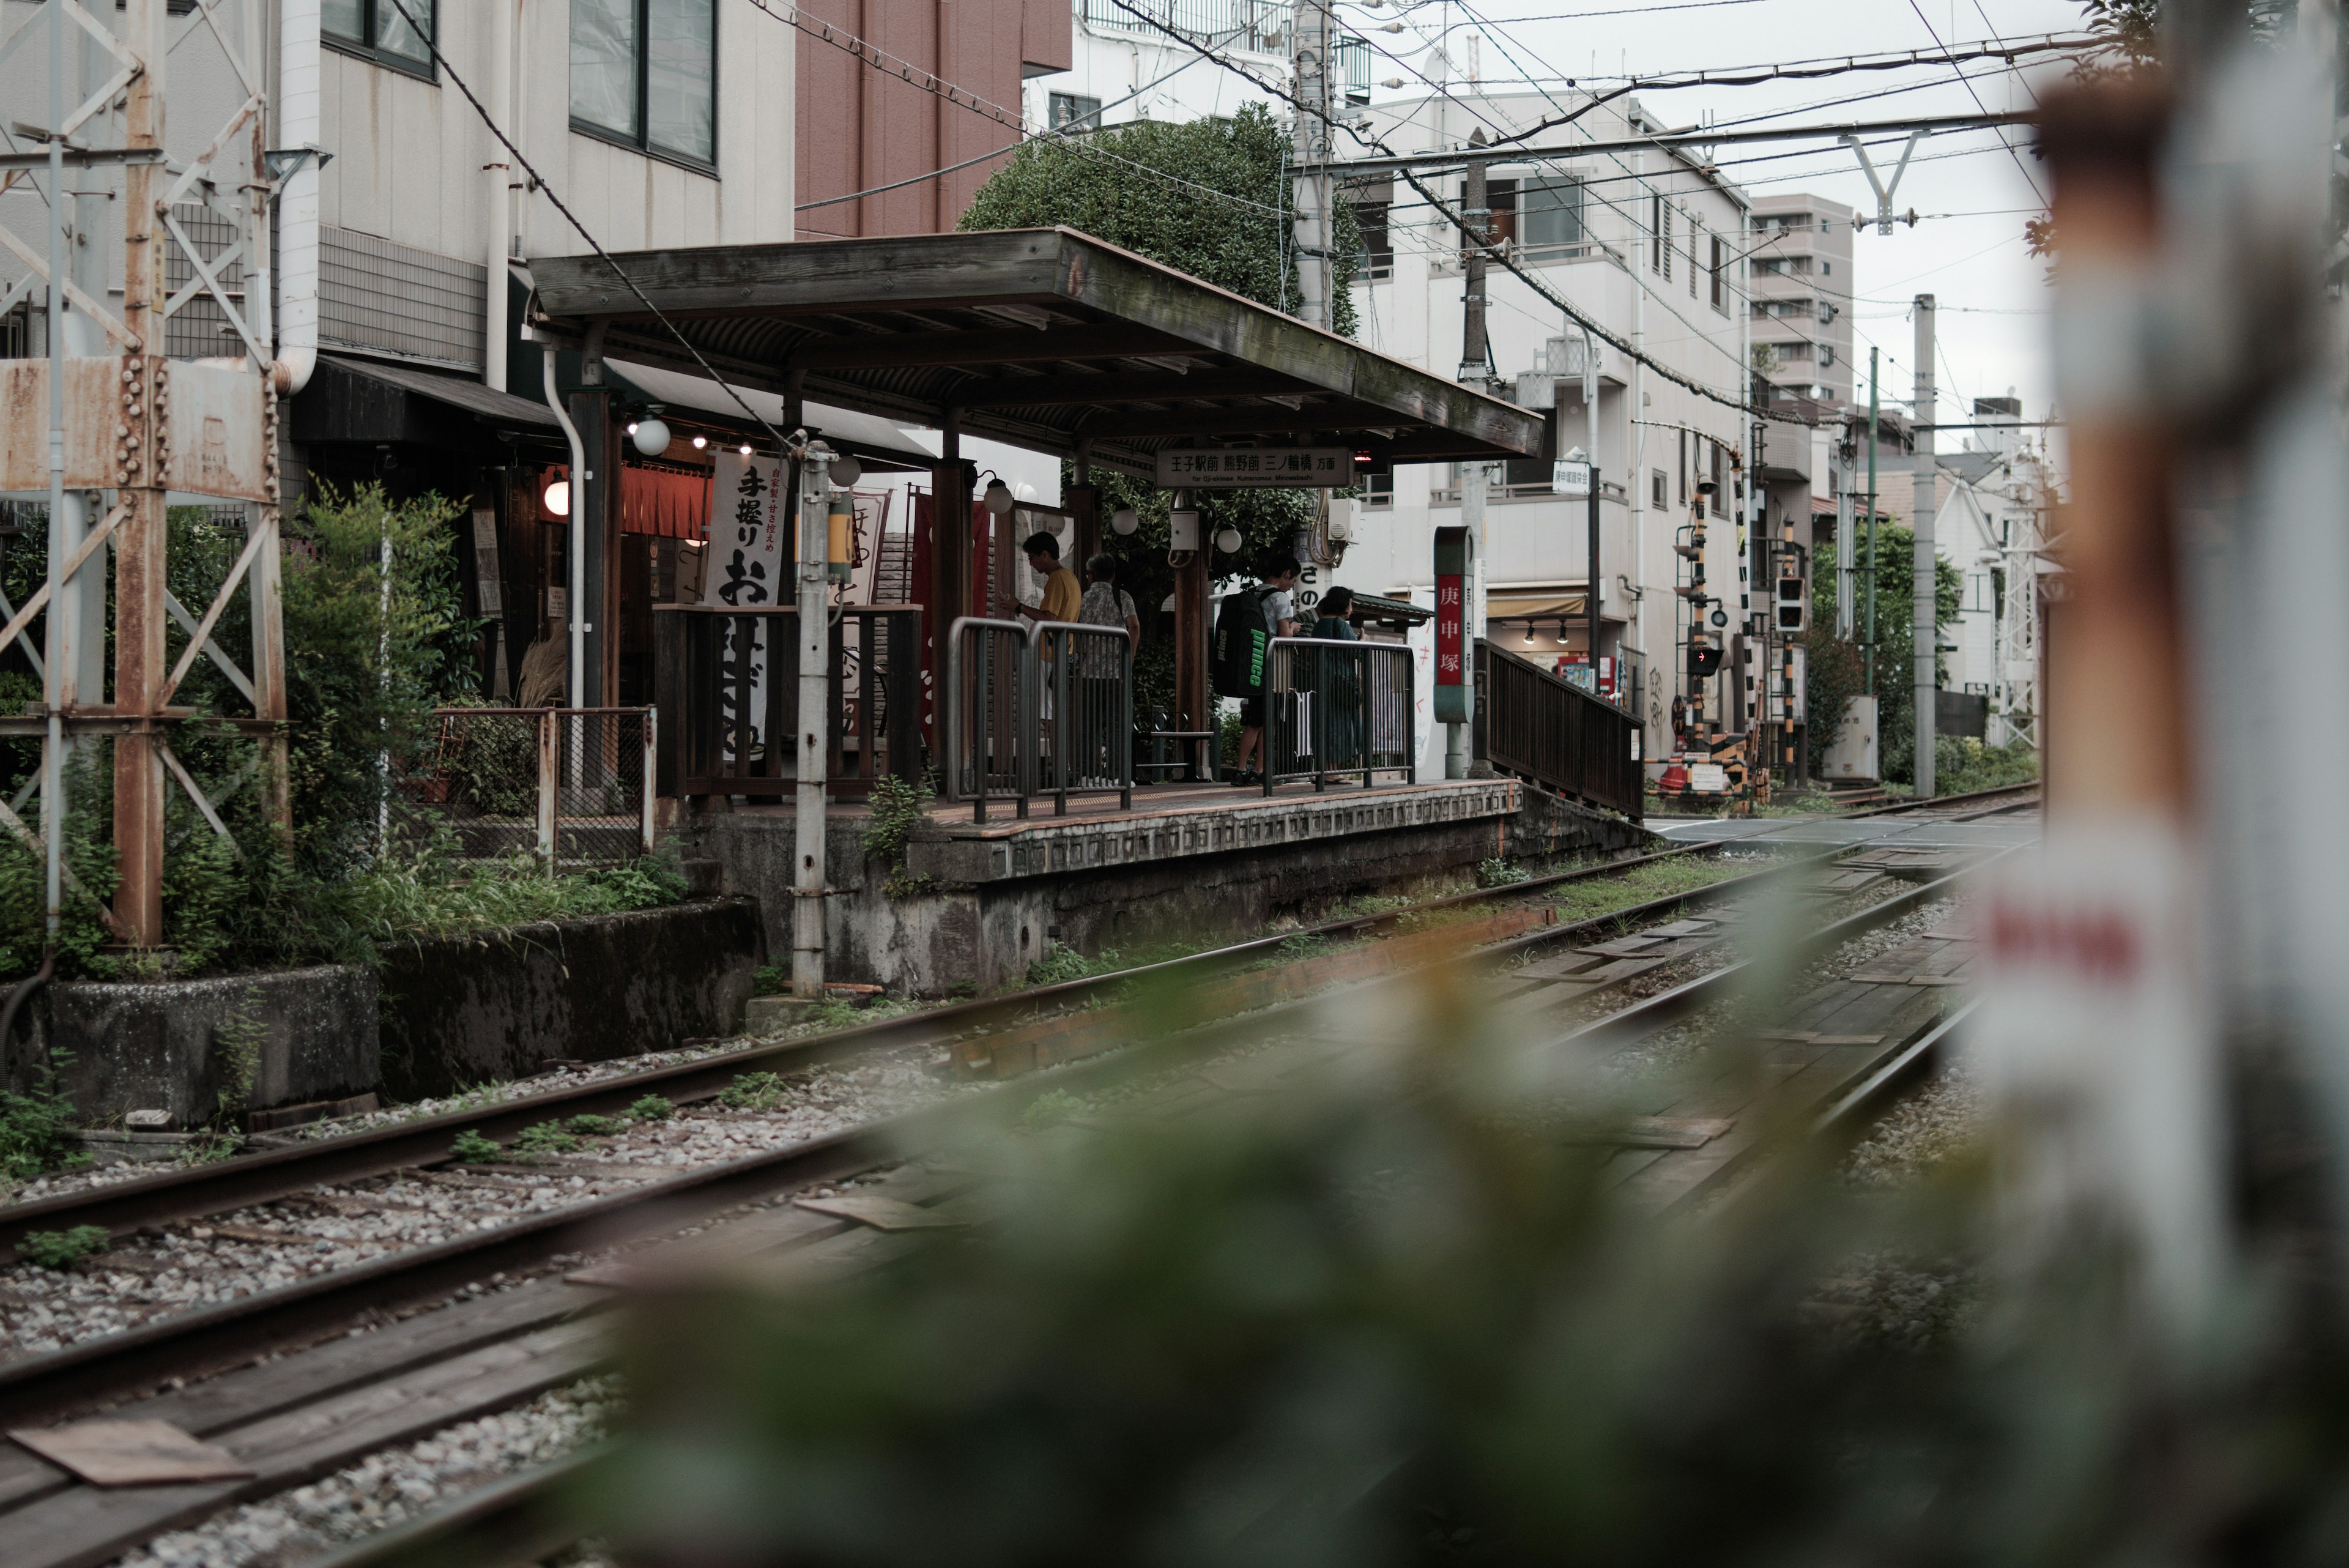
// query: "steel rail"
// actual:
[[194, 1343], [516, 1518], [123, 1208]]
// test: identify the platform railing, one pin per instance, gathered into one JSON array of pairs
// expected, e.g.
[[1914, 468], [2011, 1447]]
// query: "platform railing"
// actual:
[[1084, 718], [987, 713], [1337, 709], [1041, 709], [727, 684], [1546, 730], [572, 786]]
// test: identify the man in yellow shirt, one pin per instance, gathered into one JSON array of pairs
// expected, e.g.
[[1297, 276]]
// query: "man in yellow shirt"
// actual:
[[1063, 595]]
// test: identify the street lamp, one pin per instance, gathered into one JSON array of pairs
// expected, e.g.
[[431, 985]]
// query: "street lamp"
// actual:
[[650, 433], [999, 498], [557, 499], [1124, 520]]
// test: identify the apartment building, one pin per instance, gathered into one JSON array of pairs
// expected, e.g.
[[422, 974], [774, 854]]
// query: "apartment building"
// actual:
[[1124, 66], [1647, 245], [1802, 297]]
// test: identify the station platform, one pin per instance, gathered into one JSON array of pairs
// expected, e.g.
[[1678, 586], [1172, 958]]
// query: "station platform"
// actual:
[[978, 902]]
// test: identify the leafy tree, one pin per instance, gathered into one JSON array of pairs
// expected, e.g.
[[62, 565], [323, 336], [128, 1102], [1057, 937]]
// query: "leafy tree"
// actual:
[[1242, 246], [1833, 665]]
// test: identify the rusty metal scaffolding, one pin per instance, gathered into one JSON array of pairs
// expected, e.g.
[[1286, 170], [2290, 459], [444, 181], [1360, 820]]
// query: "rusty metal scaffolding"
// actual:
[[110, 426]]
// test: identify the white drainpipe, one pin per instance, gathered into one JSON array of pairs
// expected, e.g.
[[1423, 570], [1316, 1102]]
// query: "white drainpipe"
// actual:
[[298, 204]]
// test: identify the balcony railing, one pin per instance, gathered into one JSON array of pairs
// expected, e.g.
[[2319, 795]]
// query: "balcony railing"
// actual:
[[727, 682], [1256, 25]]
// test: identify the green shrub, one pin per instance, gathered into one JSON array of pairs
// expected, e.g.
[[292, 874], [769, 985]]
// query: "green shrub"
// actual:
[[1051, 1108], [596, 1127], [1962, 765], [63, 1249], [651, 1108], [473, 1147], [771, 979]]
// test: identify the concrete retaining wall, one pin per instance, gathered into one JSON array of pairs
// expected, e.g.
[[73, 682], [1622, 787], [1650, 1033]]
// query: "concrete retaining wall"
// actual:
[[160, 1045], [471, 1010], [1007, 892]]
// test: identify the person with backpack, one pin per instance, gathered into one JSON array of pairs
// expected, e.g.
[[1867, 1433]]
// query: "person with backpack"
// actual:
[[1274, 599]]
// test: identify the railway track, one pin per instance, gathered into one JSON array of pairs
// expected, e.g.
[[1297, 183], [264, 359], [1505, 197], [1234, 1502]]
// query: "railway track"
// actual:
[[315, 1409], [523, 1518]]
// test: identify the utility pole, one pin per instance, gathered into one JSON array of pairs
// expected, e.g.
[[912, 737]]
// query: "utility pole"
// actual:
[[815, 622], [138, 572], [1591, 434], [1846, 546], [1926, 625], [1867, 588], [1310, 139], [1474, 355]]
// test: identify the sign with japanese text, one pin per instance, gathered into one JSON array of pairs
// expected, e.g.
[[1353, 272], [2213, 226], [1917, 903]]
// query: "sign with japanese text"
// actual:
[[1571, 478], [1455, 675], [750, 567], [1238, 468]]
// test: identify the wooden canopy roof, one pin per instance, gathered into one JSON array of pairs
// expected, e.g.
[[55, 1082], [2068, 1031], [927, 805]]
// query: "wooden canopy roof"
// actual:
[[1044, 338]]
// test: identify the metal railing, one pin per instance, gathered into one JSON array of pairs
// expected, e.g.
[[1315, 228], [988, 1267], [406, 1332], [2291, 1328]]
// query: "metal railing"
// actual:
[[1041, 709], [727, 684], [572, 786], [1256, 25], [1550, 731], [1337, 709]]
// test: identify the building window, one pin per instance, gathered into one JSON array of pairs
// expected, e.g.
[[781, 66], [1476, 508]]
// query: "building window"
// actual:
[[1720, 261], [1666, 247], [1550, 213], [1656, 234], [1695, 244], [1662, 497], [1827, 354], [644, 73], [1378, 489], [1370, 199], [1068, 111], [374, 30]]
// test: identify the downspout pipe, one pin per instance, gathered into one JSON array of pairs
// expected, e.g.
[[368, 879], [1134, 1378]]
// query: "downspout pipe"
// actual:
[[576, 669], [298, 204], [497, 210]]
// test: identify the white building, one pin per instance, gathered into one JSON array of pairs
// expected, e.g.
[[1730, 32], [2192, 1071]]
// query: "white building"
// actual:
[[1992, 504], [1648, 245]]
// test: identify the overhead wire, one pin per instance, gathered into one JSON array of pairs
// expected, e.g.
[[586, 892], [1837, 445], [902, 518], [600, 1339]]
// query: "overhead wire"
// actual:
[[1493, 252], [1980, 105], [539, 183]]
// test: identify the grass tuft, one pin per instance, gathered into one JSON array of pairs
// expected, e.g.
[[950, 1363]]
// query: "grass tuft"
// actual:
[[63, 1248]]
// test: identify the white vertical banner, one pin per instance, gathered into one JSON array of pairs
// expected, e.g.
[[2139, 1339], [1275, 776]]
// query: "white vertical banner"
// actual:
[[748, 568], [2098, 1045]]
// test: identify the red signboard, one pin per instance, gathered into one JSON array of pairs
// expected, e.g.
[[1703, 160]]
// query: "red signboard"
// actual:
[[1451, 622]]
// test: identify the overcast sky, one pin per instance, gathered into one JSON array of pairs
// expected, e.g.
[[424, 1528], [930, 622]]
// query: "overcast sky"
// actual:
[[1972, 195]]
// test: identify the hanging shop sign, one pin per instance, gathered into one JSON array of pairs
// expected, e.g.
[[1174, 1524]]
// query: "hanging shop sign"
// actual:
[[1241, 467], [1569, 478], [748, 568]]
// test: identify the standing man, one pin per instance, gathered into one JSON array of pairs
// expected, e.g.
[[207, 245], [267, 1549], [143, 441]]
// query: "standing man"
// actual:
[[1279, 620], [1063, 595]]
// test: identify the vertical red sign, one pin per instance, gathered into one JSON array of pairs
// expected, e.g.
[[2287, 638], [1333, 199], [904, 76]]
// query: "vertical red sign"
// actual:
[[1451, 618]]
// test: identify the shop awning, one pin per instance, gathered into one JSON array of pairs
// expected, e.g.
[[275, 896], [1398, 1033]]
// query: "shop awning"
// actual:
[[878, 443], [1043, 338], [354, 399]]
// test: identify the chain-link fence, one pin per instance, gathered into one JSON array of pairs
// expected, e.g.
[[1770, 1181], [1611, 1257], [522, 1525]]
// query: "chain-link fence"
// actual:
[[571, 785]]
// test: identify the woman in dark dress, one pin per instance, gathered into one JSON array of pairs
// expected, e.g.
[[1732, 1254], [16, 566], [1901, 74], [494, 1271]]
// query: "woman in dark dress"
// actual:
[[1341, 682]]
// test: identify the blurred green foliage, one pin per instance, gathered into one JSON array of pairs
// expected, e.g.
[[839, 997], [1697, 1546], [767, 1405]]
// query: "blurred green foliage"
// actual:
[[1832, 667]]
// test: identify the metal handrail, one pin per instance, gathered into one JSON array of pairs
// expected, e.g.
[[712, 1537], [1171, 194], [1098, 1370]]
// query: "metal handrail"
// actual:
[[983, 633], [1052, 726], [1356, 702], [1075, 716]]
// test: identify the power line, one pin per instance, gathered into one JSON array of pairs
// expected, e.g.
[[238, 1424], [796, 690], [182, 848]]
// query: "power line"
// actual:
[[1980, 105], [1493, 252], [539, 182], [919, 78], [1396, 162]]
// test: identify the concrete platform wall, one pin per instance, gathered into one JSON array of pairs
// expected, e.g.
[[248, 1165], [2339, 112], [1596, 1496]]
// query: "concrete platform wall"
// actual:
[[1004, 892]]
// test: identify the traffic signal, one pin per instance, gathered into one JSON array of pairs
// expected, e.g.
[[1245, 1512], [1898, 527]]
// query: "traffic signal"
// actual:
[[1703, 663], [1794, 604]]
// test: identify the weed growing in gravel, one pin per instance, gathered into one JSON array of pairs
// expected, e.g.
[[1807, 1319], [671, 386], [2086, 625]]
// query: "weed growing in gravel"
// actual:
[[473, 1145], [63, 1249], [1049, 1109], [547, 1138], [651, 1108], [1657, 880], [237, 1040], [1500, 874], [596, 1127], [751, 1092], [1061, 964], [771, 979], [37, 1130]]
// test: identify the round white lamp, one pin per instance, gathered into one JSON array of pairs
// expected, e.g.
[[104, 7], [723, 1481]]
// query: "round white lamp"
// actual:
[[845, 471], [650, 434], [999, 498], [1124, 520], [557, 499], [1227, 540]]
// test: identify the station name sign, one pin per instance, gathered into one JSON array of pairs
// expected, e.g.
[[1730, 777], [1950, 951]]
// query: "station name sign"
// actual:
[[1240, 468]]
